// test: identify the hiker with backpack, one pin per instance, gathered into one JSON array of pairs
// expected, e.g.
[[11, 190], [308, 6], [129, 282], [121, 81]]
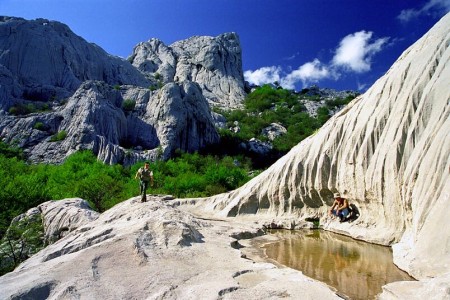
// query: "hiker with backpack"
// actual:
[[145, 176]]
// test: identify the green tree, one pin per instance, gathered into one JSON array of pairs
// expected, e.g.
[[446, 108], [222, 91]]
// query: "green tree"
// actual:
[[25, 237]]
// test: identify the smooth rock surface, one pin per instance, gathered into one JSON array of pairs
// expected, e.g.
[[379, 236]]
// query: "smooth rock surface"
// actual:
[[154, 251]]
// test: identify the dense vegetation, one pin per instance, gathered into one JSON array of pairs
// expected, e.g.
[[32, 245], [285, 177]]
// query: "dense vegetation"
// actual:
[[81, 175], [266, 105]]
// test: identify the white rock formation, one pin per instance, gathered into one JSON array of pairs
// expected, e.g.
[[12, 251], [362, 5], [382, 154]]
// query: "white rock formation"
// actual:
[[154, 251], [64, 216], [177, 116], [75, 87], [388, 152], [215, 63]]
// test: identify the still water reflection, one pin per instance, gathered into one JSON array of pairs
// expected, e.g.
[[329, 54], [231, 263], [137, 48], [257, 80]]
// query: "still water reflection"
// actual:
[[355, 268]]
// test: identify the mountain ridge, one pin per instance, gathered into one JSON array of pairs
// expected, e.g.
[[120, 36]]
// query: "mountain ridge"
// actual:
[[44, 67]]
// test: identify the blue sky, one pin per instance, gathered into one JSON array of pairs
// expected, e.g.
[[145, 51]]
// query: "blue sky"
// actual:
[[340, 44]]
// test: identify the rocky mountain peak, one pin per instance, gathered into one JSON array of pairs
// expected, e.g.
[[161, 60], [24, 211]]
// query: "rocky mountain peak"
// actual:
[[215, 63], [60, 94], [47, 60]]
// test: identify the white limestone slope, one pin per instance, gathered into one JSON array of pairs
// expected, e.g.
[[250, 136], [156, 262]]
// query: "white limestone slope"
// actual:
[[388, 152], [153, 251]]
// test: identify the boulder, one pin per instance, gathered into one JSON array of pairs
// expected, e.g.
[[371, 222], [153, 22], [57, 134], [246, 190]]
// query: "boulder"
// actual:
[[257, 146], [312, 106], [273, 131], [41, 226], [219, 120], [64, 216]]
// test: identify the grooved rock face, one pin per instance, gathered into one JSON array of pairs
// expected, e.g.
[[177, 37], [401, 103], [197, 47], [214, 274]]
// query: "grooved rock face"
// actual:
[[62, 217], [214, 63], [388, 152]]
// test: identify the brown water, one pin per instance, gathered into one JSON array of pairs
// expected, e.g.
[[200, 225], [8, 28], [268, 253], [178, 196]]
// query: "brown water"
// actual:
[[356, 269]]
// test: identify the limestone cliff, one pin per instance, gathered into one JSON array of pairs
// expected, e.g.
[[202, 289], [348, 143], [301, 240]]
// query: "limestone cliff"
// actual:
[[60, 94], [174, 117], [44, 60], [214, 63], [388, 152]]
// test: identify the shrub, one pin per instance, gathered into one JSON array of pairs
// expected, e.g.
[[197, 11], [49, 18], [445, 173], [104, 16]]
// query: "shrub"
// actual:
[[267, 105], [61, 135], [39, 126], [22, 109], [128, 104], [82, 175], [10, 151], [25, 109]]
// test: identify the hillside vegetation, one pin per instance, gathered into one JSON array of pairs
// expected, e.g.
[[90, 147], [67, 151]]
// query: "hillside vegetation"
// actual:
[[271, 104], [82, 175]]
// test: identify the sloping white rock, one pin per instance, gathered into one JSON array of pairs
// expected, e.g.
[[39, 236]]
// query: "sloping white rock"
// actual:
[[388, 152], [153, 251], [64, 216]]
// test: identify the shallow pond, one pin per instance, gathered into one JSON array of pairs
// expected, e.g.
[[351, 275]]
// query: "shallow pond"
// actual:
[[356, 269]]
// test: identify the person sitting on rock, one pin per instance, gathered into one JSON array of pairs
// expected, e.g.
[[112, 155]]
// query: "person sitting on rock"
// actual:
[[339, 207], [146, 176]]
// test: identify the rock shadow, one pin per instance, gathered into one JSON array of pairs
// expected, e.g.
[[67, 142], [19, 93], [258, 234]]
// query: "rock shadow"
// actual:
[[354, 213]]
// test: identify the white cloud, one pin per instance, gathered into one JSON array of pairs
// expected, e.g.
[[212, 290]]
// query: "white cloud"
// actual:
[[263, 75], [356, 50], [354, 54], [440, 7], [307, 73]]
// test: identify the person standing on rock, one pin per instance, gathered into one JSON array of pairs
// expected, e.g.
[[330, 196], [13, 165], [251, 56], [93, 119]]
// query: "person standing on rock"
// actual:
[[145, 176], [339, 207]]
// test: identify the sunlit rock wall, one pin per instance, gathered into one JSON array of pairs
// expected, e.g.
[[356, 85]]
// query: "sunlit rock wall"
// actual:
[[387, 152]]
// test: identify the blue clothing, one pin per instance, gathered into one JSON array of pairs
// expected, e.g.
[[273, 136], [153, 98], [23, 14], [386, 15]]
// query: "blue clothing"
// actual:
[[342, 213]]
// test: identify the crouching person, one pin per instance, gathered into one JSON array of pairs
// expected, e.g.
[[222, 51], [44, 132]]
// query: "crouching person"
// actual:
[[340, 208]]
